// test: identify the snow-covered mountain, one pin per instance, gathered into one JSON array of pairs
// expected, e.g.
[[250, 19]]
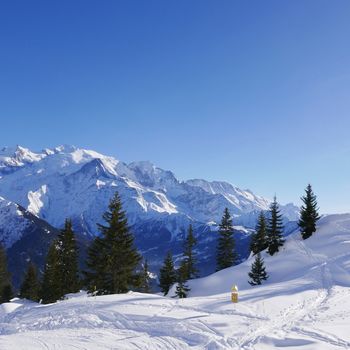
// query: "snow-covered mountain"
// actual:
[[66, 181], [25, 236], [304, 305], [71, 182]]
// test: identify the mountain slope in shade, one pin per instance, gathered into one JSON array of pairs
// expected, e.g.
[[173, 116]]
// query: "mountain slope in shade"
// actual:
[[25, 236]]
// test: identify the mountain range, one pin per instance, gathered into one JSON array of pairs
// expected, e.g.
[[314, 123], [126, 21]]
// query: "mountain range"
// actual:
[[69, 182]]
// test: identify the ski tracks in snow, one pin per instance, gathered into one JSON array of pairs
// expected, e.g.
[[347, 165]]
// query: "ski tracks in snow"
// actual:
[[299, 318]]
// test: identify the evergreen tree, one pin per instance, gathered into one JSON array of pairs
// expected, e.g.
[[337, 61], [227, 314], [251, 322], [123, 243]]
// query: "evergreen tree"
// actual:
[[258, 273], [275, 228], [182, 288], [167, 274], [96, 260], [68, 259], [112, 258], [190, 270], [308, 213], [30, 287], [7, 293], [61, 268], [51, 287], [226, 255], [5, 278], [259, 240], [145, 279]]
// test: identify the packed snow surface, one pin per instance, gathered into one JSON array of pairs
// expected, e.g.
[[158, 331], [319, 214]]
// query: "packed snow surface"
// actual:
[[304, 305]]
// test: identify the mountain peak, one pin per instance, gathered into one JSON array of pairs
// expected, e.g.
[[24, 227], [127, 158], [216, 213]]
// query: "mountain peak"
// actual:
[[18, 156], [143, 165], [65, 148]]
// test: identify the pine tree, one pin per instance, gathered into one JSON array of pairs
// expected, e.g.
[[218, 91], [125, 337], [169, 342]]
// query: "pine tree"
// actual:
[[7, 293], [61, 268], [112, 258], [259, 240], [226, 255], [275, 228], [5, 279], [145, 279], [51, 287], [68, 259], [308, 213], [31, 286], [258, 273], [96, 260], [182, 288], [167, 274], [189, 255]]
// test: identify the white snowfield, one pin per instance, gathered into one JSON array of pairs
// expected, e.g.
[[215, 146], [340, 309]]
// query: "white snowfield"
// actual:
[[305, 304]]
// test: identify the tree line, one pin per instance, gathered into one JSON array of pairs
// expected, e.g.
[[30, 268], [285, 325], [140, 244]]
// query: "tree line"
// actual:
[[114, 265], [269, 233]]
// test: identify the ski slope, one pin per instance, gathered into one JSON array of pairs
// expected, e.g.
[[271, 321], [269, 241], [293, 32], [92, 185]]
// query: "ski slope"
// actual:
[[305, 304]]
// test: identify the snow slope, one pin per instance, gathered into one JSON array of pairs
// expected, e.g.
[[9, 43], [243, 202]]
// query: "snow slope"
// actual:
[[304, 305]]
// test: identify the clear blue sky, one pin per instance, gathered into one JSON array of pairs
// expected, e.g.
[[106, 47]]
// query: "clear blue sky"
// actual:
[[253, 92]]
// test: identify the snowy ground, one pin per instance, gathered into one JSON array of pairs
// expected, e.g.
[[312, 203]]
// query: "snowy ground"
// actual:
[[304, 305]]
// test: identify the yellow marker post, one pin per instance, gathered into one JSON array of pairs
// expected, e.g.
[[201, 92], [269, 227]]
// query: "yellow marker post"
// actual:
[[234, 294]]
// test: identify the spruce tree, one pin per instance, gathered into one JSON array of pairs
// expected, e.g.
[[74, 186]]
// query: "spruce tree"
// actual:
[[51, 287], [182, 288], [275, 228], [5, 279], [189, 256], [167, 274], [257, 273], [68, 259], [7, 293], [112, 258], [308, 213], [226, 255], [259, 240], [30, 286], [145, 279], [95, 277]]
